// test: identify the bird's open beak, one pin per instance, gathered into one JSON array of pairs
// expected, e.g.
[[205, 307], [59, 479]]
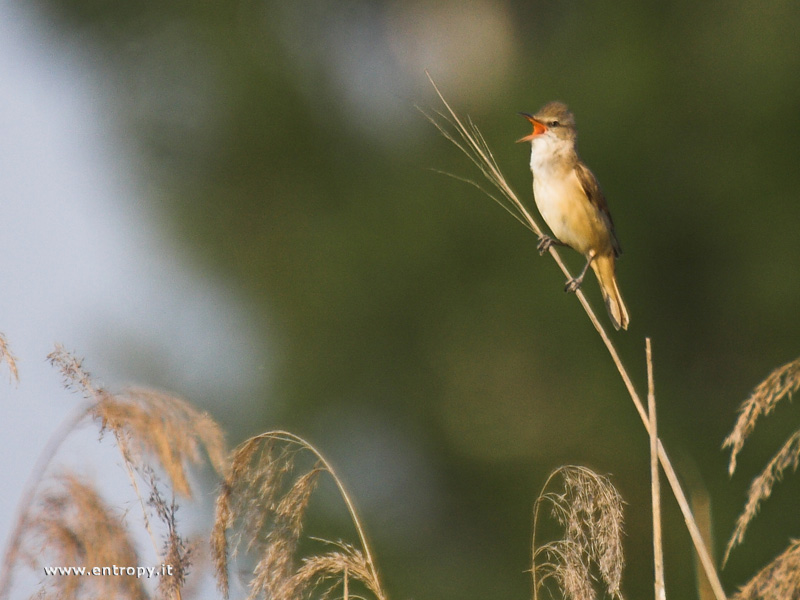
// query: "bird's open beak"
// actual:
[[538, 128]]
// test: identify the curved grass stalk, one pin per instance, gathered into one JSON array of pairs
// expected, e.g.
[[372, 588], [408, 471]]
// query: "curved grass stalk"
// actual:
[[26, 503], [288, 437]]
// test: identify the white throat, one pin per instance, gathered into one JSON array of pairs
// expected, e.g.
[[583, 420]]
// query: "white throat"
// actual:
[[551, 155]]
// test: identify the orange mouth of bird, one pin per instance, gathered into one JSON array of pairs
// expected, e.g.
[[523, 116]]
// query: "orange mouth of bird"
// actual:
[[538, 128]]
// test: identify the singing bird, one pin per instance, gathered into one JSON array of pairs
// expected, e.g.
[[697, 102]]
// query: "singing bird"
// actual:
[[571, 203]]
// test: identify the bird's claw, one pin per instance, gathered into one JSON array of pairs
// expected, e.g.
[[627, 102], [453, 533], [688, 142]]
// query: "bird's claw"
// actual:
[[573, 285], [544, 244]]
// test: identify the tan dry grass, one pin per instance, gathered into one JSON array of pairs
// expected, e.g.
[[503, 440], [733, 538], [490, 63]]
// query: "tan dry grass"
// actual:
[[779, 385], [6, 356], [158, 435], [151, 426], [589, 509], [340, 565], [148, 423], [154, 424], [779, 580], [72, 525], [761, 488], [260, 511]]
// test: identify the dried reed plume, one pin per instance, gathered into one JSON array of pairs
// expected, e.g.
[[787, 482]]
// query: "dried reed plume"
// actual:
[[156, 434], [339, 565], [780, 384], [7, 357], [146, 423], [176, 552], [260, 510], [761, 488], [151, 425], [779, 580], [72, 525], [589, 509]]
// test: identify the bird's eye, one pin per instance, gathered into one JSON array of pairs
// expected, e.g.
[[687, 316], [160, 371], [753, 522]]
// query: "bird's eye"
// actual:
[[554, 124]]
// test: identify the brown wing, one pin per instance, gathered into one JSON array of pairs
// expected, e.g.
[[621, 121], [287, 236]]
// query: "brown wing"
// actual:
[[592, 190]]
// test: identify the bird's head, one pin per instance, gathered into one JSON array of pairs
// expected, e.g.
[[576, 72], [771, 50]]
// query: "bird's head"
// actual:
[[554, 120]]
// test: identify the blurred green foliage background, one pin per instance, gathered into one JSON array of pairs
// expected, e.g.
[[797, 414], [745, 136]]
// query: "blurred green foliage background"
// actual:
[[416, 337]]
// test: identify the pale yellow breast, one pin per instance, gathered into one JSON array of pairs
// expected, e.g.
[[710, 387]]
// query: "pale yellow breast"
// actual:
[[569, 214]]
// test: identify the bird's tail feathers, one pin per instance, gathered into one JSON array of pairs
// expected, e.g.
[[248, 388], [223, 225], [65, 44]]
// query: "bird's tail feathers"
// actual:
[[603, 267]]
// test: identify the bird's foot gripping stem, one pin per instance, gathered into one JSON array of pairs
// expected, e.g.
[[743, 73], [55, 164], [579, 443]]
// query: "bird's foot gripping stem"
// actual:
[[573, 284], [545, 241]]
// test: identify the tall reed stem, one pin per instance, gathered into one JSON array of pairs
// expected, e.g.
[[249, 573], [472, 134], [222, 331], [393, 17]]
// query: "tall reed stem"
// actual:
[[658, 551], [470, 141]]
